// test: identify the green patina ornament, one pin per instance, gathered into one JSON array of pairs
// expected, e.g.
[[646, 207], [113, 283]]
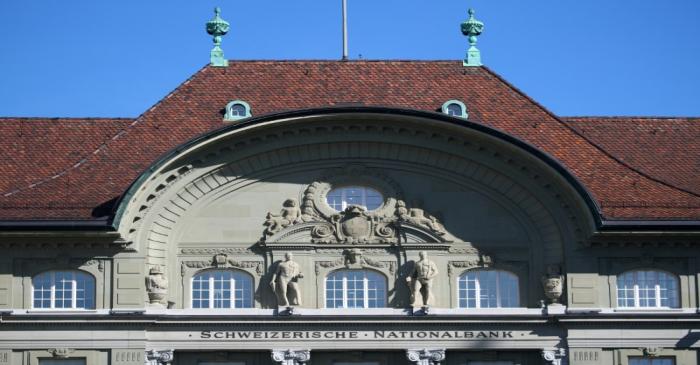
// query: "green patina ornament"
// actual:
[[218, 28], [472, 28]]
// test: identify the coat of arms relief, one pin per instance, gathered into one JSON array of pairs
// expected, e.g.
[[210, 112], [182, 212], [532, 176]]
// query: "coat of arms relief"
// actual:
[[316, 222]]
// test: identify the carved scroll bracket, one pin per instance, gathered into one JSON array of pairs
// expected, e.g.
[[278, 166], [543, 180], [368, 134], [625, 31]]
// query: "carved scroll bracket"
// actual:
[[426, 356], [554, 357], [291, 357], [163, 357]]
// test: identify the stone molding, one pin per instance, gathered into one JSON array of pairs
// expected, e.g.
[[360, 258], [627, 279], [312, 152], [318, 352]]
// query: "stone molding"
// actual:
[[450, 154], [426, 356], [163, 357], [291, 357]]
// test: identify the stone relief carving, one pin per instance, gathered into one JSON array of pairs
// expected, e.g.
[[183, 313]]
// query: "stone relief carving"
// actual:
[[291, 357], [553, 284], [651, 351], [290, 214], [420, 281], [475, 261], [154, 357], [285, 282], [355, 258], [156, 286], [353, 225], [426, 356], [221, 260], [61, 352]]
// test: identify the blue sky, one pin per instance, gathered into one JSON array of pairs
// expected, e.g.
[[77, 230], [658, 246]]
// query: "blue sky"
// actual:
[[79, 58]]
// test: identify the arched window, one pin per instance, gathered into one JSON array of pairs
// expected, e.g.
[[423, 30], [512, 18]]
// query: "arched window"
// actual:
[[355, 289], [237, 109], [70, 289], [341, 198], [222, 289], [488, 289], [647, 289]]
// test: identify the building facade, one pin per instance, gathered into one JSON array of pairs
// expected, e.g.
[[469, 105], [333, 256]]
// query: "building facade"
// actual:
[[350, 212]]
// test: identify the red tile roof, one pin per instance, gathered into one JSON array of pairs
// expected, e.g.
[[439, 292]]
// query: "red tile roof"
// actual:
[[74, 166]]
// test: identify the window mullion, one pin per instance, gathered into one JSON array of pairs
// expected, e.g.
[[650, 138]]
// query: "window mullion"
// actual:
[[636, 295], [53, 290], [211, 292], [345, 291], [365, 292], [498, 290], [74, 291], [232, 295], [477, 291], [657, 294]]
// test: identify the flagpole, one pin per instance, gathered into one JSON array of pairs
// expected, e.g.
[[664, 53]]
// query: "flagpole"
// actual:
[[345, 31]]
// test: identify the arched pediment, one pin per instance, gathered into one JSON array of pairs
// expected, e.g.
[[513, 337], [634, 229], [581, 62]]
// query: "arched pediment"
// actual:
[[463, 181]]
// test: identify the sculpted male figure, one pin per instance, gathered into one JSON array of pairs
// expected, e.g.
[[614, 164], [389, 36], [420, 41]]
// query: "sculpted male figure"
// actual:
[[285, 282], [421, 281]]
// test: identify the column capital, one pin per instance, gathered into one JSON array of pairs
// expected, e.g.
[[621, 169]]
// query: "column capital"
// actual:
[[291, 357], [555, 356], [163, 357], [426, 356]]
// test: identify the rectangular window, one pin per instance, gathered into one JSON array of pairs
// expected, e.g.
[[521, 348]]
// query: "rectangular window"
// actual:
[[652, 361]]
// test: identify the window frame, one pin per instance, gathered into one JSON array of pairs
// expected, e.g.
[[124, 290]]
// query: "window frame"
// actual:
[[477, 299], [365, 288], [446, 105], [232, 288], [631, 358], [681, 356], [657, 291], [73, 290], [230, 117], [343, 199]]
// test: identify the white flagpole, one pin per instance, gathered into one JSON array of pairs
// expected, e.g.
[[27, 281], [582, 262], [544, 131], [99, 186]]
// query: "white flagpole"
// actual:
[[345, 31]]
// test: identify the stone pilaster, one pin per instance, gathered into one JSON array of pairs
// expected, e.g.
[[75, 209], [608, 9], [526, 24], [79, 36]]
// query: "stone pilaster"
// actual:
[[554, 357], [426, 356], [291, 357], [164, 357]]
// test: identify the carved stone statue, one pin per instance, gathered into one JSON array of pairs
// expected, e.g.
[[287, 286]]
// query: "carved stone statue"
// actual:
[[290, 214], [418, 217], [285, 282], [420, 281], [553, 284], [156, 285]]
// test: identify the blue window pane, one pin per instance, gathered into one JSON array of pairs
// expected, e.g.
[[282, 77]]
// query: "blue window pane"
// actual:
[[222, 289], [355, 289], [488, 289]]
